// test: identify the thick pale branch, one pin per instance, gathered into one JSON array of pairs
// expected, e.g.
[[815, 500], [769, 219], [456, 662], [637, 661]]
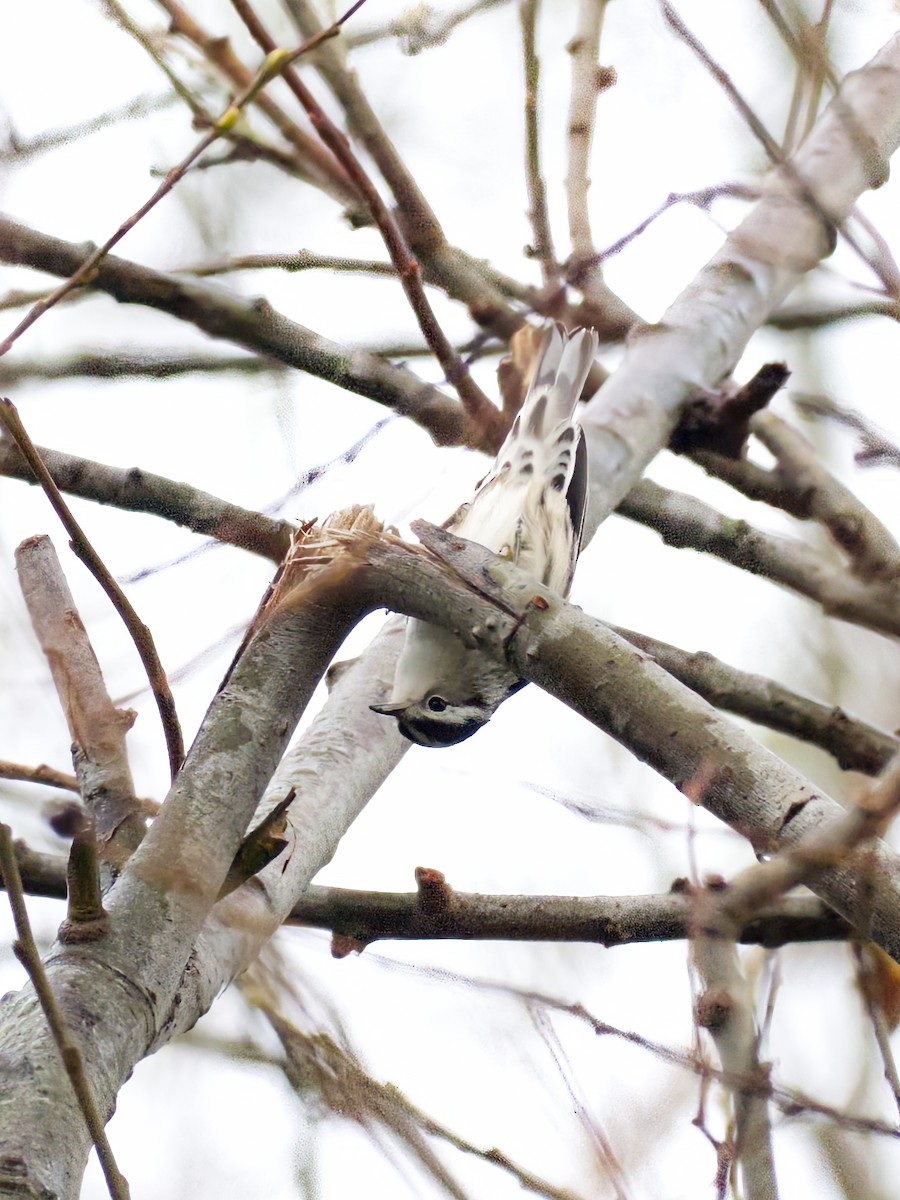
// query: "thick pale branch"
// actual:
[[119, 994], [704, 332]]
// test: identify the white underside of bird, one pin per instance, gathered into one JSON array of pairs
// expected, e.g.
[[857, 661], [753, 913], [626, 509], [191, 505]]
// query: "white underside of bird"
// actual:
[[528, 508]]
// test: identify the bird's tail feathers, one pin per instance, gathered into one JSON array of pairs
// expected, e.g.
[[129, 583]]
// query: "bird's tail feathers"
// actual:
[[561, 371]]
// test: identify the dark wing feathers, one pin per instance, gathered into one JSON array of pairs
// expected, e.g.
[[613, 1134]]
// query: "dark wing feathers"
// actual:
[[576, 499]]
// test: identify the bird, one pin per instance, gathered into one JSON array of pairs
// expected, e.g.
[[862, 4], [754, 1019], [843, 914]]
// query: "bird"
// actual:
[[529, 508]]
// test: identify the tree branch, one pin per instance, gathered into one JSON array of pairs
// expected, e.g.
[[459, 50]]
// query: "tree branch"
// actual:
[[705, 330], [96, 727], [253, 324], [684, 521]]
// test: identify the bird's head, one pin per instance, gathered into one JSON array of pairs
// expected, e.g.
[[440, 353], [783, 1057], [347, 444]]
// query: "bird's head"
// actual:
[[434, 721]]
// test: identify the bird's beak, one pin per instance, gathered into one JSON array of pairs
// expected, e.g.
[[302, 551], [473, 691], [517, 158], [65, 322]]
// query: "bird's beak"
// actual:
[[388, 710]]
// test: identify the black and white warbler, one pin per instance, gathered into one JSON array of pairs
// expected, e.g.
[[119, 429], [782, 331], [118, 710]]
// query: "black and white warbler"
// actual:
[[530, 508]]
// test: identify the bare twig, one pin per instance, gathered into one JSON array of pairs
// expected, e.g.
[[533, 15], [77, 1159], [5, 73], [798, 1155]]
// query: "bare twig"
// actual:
[[27, 953], [140, 634], [587, 80], [810, 51], [44, 775], [136, 490], [17, 149], [790, 1101], [422, 27], [701, 198], [817, 495], [542, 249], [800, 485], [482, 413], [124, 364], [269, 70], [800, 315], [310, 158], [251, 323], [357, 918], [875, 449], [315, 1061], [882, 264], [607, 1161], [300, 260]]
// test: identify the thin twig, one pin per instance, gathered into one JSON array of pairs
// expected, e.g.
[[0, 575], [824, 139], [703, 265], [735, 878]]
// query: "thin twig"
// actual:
[[587, 80], [315, 1061], [421, 27], [884, 267], [272, 67], [800, 485], [789, 1100], [875, 448], [606, 1159], [299, 260], [869, 545], [140, 634], [800, 315], [542, 249], [27, 953], [255, 324], [42, 774], [133, 489], [310, 159], [127, 363], [483, 414], [18, 149]]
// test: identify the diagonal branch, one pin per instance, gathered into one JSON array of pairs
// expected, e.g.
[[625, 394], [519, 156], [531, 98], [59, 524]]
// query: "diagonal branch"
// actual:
[[705, 330], [250, 323], [483, 415]]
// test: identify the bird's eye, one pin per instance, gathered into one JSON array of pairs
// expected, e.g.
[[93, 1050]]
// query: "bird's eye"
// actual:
[[436, 703]]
